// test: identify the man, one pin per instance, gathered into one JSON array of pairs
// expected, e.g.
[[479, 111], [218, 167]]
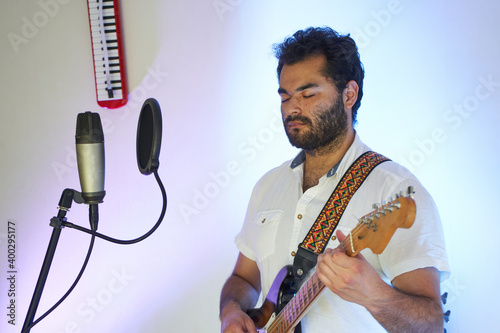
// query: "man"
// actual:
[[321, 85]]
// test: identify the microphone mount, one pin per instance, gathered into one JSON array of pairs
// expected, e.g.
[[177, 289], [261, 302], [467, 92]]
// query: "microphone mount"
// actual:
[[148, 149]]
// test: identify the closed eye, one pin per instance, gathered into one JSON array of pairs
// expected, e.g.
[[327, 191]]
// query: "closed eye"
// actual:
[[284, 98]]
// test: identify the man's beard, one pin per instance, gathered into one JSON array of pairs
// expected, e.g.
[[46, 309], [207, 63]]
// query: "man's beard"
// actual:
[[326, 129]]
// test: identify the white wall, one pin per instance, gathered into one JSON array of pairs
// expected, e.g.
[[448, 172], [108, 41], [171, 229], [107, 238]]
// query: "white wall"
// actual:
[[431, 101]]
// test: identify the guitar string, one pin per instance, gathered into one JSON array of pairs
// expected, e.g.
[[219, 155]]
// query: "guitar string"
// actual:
[[315, 286], [359, 229]]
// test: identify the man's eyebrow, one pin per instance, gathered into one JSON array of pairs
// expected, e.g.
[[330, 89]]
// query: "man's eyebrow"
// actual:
[[301, 88]]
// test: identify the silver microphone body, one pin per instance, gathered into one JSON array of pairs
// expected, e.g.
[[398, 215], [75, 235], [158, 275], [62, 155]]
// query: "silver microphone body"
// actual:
[[90, 157]]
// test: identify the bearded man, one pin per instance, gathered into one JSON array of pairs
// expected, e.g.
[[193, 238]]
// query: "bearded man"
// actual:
[[321, 85]]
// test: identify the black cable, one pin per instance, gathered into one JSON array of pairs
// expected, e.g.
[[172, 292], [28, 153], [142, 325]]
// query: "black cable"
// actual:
[[132, 241], [89, 252]]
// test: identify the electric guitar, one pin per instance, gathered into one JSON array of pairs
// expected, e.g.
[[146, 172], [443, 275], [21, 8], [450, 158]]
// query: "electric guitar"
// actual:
[[286, 304]]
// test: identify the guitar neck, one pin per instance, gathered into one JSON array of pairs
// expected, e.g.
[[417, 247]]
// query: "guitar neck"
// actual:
[[293, 312]]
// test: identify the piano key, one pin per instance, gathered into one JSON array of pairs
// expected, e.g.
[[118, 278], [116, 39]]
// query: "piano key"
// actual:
[[109, 69]]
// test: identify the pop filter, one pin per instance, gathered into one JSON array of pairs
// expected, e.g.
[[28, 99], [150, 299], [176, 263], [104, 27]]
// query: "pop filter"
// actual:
[[149, 137]]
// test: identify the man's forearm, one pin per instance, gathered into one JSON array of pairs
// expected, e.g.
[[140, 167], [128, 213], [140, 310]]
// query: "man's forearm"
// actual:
[[401, 312], [238, 292]]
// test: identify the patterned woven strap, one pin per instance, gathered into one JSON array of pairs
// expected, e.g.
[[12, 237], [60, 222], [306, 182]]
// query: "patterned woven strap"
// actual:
[[319, 234]]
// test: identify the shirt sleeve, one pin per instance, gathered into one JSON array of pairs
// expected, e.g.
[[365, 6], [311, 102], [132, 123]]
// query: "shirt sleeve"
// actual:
[[420, 246]]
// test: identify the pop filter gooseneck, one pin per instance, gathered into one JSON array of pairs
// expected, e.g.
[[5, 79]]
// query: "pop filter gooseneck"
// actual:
[[149, 137]]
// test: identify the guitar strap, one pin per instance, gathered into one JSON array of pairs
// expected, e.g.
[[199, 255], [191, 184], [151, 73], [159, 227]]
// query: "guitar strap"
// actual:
[[318, 236]]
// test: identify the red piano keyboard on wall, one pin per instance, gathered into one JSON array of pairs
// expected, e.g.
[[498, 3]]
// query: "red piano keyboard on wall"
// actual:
[[107, 50]]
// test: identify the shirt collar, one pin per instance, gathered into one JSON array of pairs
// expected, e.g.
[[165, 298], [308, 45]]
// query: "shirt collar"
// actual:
[[301, 157]]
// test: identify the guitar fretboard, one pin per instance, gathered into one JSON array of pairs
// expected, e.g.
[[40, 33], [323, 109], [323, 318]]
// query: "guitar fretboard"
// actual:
[[296, 308], [293, 312]]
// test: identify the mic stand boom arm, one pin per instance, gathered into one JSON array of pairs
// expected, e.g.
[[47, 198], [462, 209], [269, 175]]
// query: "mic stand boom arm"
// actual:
[[57, 223]]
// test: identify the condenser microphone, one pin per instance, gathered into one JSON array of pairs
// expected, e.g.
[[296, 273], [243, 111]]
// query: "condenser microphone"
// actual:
[[89, 139]]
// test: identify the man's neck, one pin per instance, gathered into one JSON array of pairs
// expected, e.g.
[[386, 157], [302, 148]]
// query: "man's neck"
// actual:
[[321, 160]]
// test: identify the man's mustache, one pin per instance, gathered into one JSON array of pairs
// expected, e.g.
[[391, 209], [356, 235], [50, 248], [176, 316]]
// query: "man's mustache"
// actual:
[[300, 118]]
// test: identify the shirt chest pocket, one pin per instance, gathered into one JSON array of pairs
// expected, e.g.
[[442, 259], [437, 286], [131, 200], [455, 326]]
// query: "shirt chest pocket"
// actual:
[[266, 225]]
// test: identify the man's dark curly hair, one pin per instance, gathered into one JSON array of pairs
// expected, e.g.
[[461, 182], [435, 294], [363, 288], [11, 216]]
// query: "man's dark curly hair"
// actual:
[[343, 63]]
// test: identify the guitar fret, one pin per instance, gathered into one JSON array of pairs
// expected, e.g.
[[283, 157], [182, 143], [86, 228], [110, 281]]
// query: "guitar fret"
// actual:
[[282, 326], [317, 285], [295, 305], [313, 285], [289, 315], [308, 293], [302, 301], [306, 298]]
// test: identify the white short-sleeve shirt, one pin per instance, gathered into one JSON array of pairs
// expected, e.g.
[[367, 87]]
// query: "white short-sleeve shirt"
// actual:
[[279, 216]]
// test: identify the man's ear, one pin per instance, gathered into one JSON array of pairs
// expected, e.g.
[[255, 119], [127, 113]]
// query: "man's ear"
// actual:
[[350, 94]]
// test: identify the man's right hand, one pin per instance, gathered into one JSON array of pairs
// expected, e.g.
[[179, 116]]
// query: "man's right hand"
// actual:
[[236, 321], [241, 291]]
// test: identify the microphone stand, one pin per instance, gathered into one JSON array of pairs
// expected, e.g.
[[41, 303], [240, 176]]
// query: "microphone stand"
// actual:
[[65, 202]]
